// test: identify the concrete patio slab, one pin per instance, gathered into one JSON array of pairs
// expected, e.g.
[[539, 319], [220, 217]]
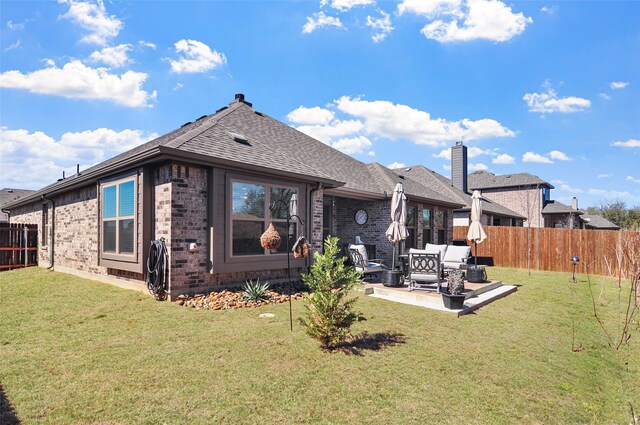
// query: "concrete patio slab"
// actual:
[[478, 295]]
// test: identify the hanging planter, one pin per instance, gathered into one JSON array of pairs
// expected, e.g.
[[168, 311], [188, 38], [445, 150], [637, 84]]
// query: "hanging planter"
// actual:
[[270, 239]]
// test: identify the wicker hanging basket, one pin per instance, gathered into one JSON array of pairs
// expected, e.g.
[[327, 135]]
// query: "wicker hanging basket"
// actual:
[[270, 239], [301, 248]]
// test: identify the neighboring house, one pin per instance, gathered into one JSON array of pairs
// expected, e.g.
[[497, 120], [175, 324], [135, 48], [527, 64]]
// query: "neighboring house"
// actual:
[[9, 195], [597, 222], [206, 188], [522, 193], [493, 214], [558, 215]]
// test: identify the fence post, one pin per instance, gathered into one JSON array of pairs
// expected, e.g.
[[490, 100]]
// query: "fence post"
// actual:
[[25, 235]]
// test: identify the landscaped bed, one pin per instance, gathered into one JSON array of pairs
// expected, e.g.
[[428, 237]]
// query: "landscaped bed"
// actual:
[[226, 299], [77, 351]]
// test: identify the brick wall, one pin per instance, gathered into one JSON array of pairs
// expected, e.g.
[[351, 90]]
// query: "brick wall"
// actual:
[[317, 202], [32, 214], [525, 201]]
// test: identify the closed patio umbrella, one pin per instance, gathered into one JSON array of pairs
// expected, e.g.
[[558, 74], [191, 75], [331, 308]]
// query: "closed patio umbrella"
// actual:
[[476, 232], [397, 231]]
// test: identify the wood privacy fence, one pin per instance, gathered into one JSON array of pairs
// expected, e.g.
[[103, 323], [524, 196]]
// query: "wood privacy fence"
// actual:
[[18, 246], [551, 249]]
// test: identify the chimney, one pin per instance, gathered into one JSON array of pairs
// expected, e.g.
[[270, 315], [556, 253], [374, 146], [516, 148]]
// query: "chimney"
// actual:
[[240, 98], [574, 203], [459, 166]]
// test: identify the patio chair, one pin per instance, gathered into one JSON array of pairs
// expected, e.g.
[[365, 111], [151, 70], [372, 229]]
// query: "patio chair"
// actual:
[[362, 263], [456, 257], [425, 270]]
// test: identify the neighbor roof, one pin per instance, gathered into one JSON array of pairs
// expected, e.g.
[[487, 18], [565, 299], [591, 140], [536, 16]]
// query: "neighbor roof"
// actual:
[[486, 180], [8, 195], [440, 184], [557, 207], [240, 136], [598, 222]]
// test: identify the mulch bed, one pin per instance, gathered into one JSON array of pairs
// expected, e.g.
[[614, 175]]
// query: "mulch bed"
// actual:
[[229, 299]]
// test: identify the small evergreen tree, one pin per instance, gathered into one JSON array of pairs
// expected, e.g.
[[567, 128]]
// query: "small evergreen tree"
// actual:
[[329, 313]]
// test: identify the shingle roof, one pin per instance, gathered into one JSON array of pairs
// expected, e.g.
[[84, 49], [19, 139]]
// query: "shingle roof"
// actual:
[[441, 184], [557, 207], [8, 195], [598, 222], [240, 135], [486, 180]]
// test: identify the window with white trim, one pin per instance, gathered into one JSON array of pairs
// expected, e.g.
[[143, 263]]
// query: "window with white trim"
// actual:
[[119, 227], [250, 216]]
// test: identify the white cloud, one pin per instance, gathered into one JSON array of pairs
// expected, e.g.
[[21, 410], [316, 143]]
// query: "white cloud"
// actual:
[[396, 165], [93, 17], [614, 195], [477, 167], [148, 44], [617, 85], [371, 153], [14, 25], [549, 10], [632, 180], [560, 156], [313, 116], [178, 86], [470, 20], [430, 8], [503, 159], [444, 154], [549, 102], [604, 175], [472, 152], [565, 187], [381, 27], [337, 128], [401, 122], [195, 56], [320, 20], [345, 5], [605, 96], [13, 46], [115, 57], [352, 145], [78, 81], [631, 143], [36, 159], [535, 157]]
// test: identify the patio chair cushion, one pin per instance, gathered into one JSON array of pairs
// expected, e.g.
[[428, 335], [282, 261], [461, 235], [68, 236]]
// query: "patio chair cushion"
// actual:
[[422, 274], [442, 249], [362, 250], [456, 256]]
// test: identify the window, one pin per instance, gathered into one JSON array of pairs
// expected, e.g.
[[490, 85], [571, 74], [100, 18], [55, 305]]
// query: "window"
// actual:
[[441, 226], [46, 229], [250, 216], [427, 224], [546, 195], [327, 212], [410, 224], [496, 221], [119, 234]]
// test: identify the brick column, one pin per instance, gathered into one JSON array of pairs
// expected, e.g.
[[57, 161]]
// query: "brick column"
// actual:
[[316, 221]]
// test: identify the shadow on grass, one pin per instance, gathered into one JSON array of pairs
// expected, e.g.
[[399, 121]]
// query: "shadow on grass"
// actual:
[[365, 341], [8, 415]]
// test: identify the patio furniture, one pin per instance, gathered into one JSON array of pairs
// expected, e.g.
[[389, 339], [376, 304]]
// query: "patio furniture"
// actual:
[[453, 257], [362, 263], [424, 270]]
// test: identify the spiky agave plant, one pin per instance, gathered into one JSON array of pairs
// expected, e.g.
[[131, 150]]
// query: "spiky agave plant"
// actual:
[[255, 291]]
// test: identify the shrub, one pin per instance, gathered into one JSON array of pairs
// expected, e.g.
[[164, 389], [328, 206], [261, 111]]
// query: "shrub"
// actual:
[[329, 313], [255, 291]]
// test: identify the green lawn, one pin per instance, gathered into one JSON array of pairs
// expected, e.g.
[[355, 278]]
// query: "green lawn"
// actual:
[[77, 351]]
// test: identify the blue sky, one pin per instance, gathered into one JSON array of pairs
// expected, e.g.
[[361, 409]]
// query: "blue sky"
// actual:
[[549, 88]]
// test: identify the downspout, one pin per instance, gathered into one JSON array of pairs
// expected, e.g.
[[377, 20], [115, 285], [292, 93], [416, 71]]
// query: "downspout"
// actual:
[[53, 230], [8, 213]]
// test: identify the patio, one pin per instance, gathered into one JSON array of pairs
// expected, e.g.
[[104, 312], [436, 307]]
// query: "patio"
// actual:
[[477, 295]]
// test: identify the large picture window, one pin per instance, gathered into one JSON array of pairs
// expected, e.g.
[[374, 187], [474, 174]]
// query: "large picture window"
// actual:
[[427, 225], [410, 225], [119, 217], [441, 226], [250, 216]]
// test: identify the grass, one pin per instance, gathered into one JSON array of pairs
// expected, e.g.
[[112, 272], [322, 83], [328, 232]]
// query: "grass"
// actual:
[[78, 351]]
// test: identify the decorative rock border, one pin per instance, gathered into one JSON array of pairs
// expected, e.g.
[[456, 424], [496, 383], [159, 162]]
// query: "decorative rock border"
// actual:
[[226, 299]]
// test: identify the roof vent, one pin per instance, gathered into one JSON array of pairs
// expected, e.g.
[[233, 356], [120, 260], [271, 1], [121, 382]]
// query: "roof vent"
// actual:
[[204, 116], [259, 113], [239, 138], [407, 169], [401, 176], [240, 98], [185, 124], [221, 109]]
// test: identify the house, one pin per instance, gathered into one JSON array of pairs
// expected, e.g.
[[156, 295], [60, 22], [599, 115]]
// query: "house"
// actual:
[[207, 188], [493, 214], [522, 193], [8, 195], [597, 222]]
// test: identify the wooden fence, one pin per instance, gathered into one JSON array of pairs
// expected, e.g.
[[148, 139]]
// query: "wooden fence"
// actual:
[[551, 249], [18, 246]]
